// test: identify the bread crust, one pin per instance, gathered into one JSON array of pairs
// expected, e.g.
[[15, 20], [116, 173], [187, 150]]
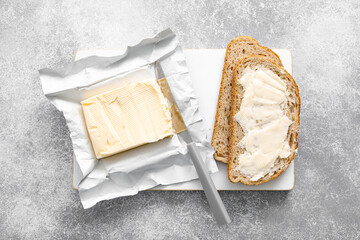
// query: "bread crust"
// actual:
[[295, 125], [222, 155]]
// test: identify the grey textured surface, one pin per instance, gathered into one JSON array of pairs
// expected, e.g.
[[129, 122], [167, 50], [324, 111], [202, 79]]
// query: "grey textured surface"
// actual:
[[36, 198]]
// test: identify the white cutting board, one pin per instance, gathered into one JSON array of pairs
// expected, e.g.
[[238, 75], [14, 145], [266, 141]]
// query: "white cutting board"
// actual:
[[205, 67]]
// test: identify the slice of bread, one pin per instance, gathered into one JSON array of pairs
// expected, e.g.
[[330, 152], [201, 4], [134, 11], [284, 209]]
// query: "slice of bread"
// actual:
[[291, 108], [237, 49]]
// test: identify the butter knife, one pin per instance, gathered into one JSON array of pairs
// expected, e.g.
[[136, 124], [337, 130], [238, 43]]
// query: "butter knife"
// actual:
[[212, 195]]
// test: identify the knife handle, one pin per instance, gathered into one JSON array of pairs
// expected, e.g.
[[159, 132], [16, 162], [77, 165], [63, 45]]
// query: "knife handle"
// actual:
[[212, 195]]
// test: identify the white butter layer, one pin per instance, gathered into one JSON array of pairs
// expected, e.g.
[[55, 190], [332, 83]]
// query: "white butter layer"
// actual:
[[264, 122], [127, 117]]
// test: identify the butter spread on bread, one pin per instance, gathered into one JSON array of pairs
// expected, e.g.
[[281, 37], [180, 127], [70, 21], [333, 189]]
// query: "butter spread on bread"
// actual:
[[265, 121], [127, 117]]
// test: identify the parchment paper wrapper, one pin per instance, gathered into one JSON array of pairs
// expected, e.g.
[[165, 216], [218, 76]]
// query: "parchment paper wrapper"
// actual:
[[164, 162]]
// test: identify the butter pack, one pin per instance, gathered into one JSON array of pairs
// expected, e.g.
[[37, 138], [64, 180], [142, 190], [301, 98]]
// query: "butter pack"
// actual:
[[119, 120]]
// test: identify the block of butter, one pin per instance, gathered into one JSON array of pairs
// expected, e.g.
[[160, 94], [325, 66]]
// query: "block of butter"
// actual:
[[127, 117]]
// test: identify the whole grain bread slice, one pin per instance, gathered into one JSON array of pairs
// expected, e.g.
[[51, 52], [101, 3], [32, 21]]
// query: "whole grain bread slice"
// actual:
[[291, 109], [237, 49]]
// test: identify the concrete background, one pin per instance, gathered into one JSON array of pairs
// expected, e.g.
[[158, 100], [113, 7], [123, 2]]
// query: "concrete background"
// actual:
[[36, 198]]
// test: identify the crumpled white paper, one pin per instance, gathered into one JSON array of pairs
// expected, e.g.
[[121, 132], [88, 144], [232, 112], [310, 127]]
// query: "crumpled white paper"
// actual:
[[164, 162]]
